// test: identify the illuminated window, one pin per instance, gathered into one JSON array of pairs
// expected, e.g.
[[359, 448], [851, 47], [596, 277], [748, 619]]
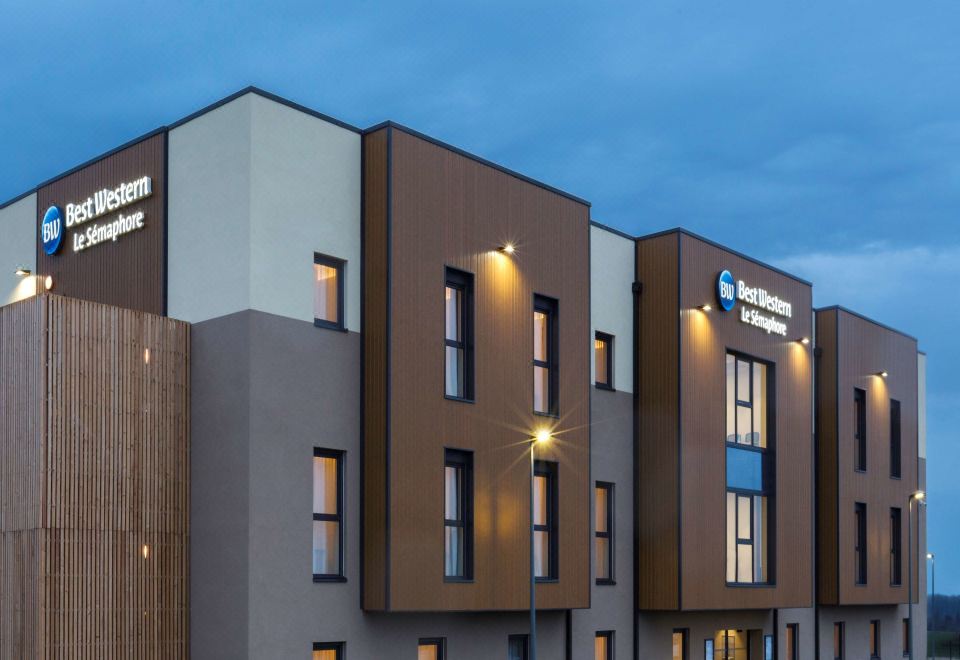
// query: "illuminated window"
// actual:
[[328, 291], [458, 514], [874, 640], [545, 355], [603, 360], [730, 645], [792, 642], [860, 543], [328, 651], [431, 649], [905, 636], [895, 451], [680, 651], [545, 520], [603, 541], [860, 429], [458, 335], [327, 515], [839, 643], [517, 646], [750, 471], [603, 645], [896, 557]]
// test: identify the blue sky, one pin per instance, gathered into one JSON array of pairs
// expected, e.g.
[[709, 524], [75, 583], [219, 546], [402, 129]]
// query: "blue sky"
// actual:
[[822, 137]]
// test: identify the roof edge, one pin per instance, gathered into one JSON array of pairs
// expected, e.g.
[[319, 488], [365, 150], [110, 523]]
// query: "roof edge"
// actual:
[[862, 317]]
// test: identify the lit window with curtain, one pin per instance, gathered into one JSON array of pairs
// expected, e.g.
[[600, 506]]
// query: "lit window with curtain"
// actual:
[[431, 649], [839, 641], [327, 515], [458, 515], [875, 640], [792, 642], [328, 274], [603, 645], [545, 366], [545, 520], [603, 360], [680, 650], [458, 335], [750, 470], [603, 534], [328, 651]]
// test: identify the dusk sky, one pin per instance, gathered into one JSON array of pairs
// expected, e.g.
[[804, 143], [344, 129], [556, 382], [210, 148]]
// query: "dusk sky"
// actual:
[[821, 137]]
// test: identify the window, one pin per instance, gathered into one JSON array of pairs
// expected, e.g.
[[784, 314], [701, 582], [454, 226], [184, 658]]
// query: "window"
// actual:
[[603, 645], [895, 453], [896, 556], [731, 645], [328, 291], [328, 651], [458, 335], [603, 541], [791, 646], [458, 514], [517, 646], [432, 649], [749, 470], [874, 640], [860, 549], [680, 651], [327, 515], [860, 429], [545, 355], [839, 643], [545, 520], [603, 360], [905, 636]]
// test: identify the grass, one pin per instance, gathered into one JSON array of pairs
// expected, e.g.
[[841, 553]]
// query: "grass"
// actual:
[[941, 642]]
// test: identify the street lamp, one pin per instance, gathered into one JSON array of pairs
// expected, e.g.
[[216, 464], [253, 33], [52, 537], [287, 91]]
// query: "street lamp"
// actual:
[[542, 436], [918, 496], [933, 593]]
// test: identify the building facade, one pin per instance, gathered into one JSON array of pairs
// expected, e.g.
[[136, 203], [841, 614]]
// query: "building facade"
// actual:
[[279, 386]]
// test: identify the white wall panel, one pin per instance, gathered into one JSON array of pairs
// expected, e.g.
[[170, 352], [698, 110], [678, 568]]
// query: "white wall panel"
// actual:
[[18, 247], [612, 272]]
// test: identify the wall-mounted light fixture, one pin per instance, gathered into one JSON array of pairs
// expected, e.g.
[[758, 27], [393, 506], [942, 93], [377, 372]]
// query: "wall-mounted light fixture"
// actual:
[[146, 356], [705, 307], [48, 282], [21, 271], [145, 551], [804, 340], [882, 374], [508, 248], [543, 435]]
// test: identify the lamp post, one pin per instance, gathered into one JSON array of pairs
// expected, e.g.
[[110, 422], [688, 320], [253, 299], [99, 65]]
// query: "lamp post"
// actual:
[[541, 437], [933, 592], [918, 496]]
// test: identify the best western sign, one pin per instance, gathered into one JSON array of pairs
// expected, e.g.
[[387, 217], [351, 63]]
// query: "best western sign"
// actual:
[[757, 302], [101, 203]]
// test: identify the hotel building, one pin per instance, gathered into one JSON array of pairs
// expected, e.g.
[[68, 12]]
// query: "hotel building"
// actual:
[[274, 386]]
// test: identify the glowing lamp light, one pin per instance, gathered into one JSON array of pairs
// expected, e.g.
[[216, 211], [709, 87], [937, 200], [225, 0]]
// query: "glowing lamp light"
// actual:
[[804, 340], [705, 308], [919, 495], [543, 435], [508, 248], [146, 356], [145, 551], [48, 282], [21, 271], [883, 374]]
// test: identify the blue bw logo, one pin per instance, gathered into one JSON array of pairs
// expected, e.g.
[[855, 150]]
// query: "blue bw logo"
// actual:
[[726, 291], [51, 230]]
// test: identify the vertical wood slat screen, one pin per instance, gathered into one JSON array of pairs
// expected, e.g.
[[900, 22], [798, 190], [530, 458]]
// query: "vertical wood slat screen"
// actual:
[[94, 482]]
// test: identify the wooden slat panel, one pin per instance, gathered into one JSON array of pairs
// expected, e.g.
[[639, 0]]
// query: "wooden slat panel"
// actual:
[[827, 458]]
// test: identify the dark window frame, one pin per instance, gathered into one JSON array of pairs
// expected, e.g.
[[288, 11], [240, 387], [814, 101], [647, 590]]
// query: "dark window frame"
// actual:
[[860, 534], [609, 534], [440, 643], [874, 630], [607, 339], [906, 632], [550, 307], [550, 470], [860, 430], [524, 641], [340, 265], [839, 628], [896, 546], [896, 440], [340, 456], [685, 643], [610, 636], [339, 647], [795, 647], [462, 460], [463, 281]]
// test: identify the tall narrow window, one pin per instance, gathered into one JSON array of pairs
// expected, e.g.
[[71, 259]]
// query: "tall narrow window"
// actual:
[[680, 651], [860, 429], [458, 515], [432, 649], [603, 645], [792, 642], [603, 360], [603, 541], [328, 650], [896, 557], [327, 515], [860, 540], [874, 640], [328, 291], [750, 471], [839, 643], [905, 636], [517, 647], [458, 334], [545, 520], [545, 355], [895, 452]]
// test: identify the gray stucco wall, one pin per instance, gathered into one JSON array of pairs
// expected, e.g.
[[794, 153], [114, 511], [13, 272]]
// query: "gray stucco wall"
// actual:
[[267, 390]]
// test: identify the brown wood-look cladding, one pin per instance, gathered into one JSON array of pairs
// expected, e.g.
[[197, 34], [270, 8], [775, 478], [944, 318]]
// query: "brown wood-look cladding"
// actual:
[[657, 480], [375, 298], [447, 209], [111, 464], [129, 272], [827, 483], [861, 349]]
